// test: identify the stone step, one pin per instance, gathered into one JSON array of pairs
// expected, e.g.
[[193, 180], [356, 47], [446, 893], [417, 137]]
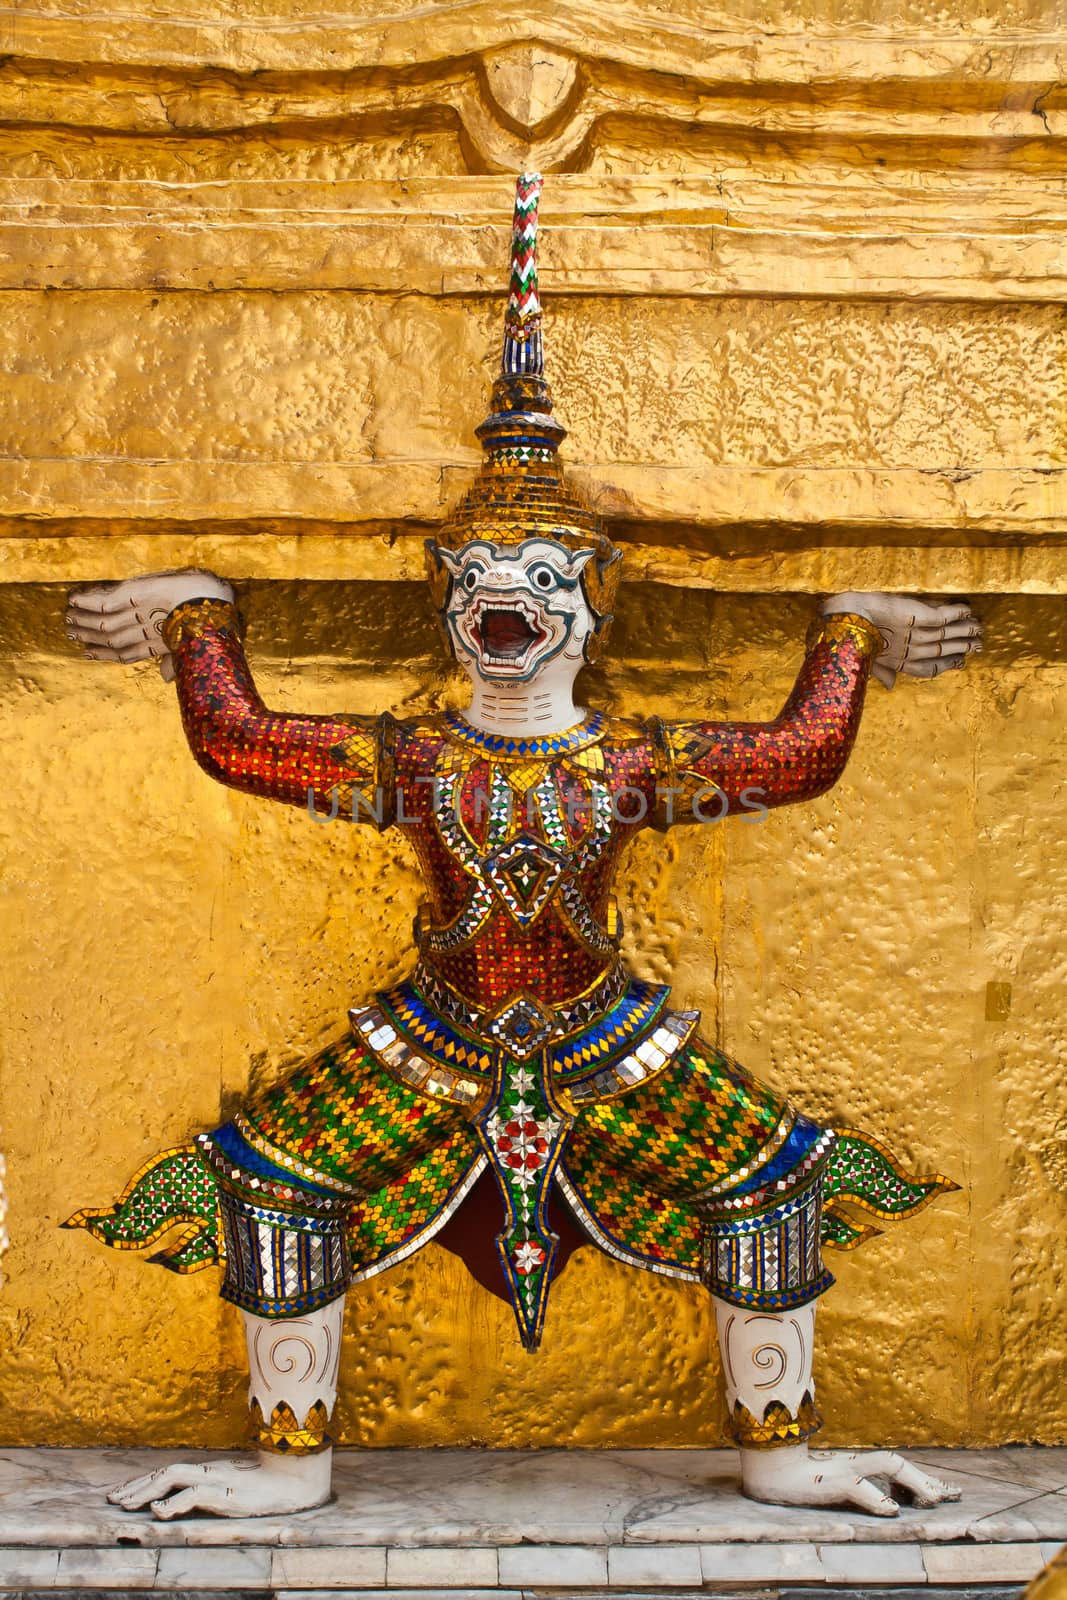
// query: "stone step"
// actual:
[[928, 1592], [984, 1592], [515, 1524]]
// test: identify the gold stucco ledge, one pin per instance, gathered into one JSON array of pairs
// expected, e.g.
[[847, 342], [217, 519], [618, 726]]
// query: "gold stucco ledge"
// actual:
[[1026, 504], [748, 562]]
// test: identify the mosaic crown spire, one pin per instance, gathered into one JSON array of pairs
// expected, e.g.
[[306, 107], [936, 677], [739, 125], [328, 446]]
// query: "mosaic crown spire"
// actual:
[[520, 493], [520, 430]]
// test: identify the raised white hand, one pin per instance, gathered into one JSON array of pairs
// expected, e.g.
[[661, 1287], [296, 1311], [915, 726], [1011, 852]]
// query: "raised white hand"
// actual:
[[260, 1485], [122, 621], [923, 638], [797, 1476]]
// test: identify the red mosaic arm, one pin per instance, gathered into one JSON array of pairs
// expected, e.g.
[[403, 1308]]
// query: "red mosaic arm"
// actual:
[[716, 769], [344, 761]]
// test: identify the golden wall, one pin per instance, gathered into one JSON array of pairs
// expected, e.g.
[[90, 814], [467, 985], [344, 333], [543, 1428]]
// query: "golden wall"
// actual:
[[804, 265]]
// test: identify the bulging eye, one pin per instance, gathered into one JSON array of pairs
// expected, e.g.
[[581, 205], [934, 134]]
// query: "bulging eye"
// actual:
[[542, 577], [470, 578]]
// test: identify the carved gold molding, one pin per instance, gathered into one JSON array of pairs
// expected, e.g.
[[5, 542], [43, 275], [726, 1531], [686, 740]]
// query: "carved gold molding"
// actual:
[[671, 79], [801, 40]]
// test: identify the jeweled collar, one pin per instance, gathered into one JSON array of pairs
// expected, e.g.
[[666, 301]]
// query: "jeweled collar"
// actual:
[[550, 744]]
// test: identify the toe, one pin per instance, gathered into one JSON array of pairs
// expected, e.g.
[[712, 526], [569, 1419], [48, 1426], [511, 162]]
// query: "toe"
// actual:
[[870, 1498], [175, 1505]]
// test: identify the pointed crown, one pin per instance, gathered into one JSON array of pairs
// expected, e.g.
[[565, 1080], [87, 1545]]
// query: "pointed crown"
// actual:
[[520, 493]]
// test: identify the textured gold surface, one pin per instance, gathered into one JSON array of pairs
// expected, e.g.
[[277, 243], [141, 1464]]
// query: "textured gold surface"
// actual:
[[338, 381], [167, 945], [804, 267]]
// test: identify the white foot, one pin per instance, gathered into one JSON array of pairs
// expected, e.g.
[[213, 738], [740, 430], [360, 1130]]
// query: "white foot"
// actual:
[[797, 1476], [261, 1485]]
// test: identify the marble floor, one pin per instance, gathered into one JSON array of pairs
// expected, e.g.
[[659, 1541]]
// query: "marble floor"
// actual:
[[515, 1522]]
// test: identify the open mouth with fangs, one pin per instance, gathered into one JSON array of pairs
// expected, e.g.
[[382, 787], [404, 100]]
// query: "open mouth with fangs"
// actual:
[[506, 634]]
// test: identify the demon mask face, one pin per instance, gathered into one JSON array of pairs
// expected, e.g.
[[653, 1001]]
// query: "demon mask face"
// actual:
[[513, 609]]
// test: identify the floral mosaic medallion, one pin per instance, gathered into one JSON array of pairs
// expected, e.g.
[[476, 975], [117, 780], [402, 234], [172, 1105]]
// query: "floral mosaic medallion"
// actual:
[[523, 1131]]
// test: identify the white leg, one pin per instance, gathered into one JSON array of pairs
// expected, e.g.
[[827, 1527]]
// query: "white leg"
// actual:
[[767, 1365], [293, 1364]]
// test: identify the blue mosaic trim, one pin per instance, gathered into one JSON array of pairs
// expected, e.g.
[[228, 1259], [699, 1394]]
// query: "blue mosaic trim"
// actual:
[[579, 1056], [803, 1136], [412, 1016], [236, 1148], [273, 1216], [773, 1300], [535, 441], [764, 1221], [612, 1034], [498, 744], [278, 1310]]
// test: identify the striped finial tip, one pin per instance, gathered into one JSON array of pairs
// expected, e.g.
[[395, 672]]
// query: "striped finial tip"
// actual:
[[523, 350]]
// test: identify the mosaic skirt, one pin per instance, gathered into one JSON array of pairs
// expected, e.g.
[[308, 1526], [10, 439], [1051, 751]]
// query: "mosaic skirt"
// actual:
[[341, 1171]]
